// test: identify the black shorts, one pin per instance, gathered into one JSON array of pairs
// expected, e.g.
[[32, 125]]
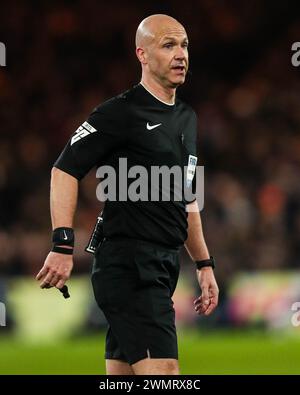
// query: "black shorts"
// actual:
[[133, 282]]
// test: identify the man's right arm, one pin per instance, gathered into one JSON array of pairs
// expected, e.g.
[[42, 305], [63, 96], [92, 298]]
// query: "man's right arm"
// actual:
[[63, 200], [91, 144]]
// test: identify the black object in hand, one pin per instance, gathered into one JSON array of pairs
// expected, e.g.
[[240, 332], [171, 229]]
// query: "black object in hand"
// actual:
[[64, 290]]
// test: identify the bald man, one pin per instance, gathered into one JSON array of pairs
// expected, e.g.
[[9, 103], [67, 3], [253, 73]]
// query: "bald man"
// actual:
[[136, 266]]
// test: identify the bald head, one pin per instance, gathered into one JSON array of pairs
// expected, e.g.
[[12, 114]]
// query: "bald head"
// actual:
[[162, 49], [154, 27]]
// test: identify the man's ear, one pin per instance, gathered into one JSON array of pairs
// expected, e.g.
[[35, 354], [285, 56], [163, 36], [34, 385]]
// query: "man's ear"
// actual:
[[141, 54]]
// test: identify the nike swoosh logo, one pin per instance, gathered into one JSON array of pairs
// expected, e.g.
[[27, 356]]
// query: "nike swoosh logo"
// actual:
[[65, 237], [150, 127]]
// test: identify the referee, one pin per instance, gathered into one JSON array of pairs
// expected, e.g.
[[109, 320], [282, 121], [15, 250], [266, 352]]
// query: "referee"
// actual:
[[136, 267]]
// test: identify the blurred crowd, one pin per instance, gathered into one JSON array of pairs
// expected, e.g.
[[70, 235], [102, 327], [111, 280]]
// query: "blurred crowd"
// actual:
[[64, 58]]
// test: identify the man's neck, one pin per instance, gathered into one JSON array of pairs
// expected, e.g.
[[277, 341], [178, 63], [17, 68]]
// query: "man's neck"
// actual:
[[166, 95]]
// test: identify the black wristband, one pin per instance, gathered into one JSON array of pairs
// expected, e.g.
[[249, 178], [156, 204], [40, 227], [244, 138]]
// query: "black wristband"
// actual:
[[62, 250], [206, 263], [63, 236]]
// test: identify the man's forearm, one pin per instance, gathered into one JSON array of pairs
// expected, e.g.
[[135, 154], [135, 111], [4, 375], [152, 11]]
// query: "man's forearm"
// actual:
[[63, 198], [195, 243]]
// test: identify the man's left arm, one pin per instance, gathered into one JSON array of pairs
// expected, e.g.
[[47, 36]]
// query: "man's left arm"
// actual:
[[197, 249]]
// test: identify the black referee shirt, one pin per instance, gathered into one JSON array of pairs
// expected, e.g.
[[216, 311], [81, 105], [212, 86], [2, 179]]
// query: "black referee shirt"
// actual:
[[147, 132]]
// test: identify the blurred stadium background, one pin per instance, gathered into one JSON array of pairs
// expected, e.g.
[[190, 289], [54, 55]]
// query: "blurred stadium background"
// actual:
[[63, 58]]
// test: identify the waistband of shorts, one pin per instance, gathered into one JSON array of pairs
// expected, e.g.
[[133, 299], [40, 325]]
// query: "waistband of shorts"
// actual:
[[132, 241]]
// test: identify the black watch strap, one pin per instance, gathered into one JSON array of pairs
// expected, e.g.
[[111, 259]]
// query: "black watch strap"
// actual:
[[206, 263]]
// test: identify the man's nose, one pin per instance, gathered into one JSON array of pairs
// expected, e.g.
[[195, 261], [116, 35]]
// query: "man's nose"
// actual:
[[180, 54]]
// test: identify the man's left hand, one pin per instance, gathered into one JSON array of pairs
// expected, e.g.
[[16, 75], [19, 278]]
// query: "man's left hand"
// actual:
[[208, 301]]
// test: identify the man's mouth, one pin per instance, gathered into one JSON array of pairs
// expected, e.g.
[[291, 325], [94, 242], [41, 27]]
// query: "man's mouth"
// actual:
[[179, 67], [179, 70]]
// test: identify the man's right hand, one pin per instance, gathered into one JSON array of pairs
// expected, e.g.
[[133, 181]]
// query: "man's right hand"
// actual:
[[56, 270]]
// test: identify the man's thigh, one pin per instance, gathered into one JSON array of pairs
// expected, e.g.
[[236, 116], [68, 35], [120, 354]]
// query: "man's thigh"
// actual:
[[118, 367], [147, 366], [159, 366]]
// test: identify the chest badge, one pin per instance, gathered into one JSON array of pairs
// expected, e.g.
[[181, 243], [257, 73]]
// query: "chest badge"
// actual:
[[192, 162]]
